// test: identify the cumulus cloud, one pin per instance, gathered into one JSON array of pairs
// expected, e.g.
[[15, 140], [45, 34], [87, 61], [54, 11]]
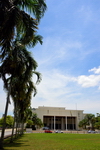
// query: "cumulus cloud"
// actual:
[[95, 70], [89, 81]]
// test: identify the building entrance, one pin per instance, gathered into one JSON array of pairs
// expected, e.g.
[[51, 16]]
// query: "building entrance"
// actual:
[[60, 122]]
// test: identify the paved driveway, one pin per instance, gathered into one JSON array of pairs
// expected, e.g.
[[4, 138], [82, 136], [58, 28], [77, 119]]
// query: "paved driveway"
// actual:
[[7, 132]]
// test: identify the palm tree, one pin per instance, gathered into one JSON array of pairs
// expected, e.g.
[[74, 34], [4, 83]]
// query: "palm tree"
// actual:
[[21, 66], [14, 21], [83, 123], [90, 119]]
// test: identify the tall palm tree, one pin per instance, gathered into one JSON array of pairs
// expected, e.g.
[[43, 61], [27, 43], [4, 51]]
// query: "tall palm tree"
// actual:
[[20, 66], [14, 21]]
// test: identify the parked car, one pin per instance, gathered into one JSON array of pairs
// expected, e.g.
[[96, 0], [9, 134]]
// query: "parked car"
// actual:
[[45, 128], [91, 131], [58, 131], [48, 131]]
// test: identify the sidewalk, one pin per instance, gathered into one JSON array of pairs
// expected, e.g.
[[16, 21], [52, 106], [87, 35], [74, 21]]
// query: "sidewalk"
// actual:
[[7, 132]]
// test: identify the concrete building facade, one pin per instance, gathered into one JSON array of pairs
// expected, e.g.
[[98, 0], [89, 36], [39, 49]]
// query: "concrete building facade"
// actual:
[[59, 117]]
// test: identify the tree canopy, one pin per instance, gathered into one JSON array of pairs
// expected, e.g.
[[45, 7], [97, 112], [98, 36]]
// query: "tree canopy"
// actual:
[[90, 122], [9, 121]]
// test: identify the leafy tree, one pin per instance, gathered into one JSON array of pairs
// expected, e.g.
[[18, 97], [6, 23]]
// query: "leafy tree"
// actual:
[[97, 122], [90, 119], [39, 123], [29, 123], [83, 123], [36, 121], [9, 121]]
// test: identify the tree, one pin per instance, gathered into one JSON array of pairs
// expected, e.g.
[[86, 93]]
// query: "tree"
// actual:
[[9, 121], [89, 120], [15, 22], [83, 123], [36, 121], [97, 122], [29, 123], [21, 66]]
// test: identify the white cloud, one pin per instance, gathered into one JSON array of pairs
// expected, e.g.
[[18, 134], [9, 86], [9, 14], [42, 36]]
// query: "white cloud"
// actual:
[[88, 81], [57, 49], [95, 70]]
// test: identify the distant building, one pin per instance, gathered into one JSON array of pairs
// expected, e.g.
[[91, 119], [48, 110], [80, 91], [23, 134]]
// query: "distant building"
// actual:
[[59, 117]]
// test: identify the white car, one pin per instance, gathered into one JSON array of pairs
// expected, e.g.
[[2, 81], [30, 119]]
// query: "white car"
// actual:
[[58, 131], [90, 131]]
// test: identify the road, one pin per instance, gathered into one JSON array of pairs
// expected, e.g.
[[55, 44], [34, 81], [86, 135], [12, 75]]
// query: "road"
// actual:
[[7, 132]]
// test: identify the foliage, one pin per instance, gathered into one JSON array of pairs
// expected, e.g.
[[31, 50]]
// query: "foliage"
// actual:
[[91, 121], [83, 123], [14, 20], [36, 121], [29, 123], [97, 122], [9, 121]]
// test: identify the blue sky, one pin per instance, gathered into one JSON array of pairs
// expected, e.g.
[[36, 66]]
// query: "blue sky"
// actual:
[[69, 59]]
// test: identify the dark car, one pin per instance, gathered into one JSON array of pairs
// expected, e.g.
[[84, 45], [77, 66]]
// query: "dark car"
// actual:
[[48, 131], [45, 128]]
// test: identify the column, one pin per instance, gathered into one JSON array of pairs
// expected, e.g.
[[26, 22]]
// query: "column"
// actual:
[[66, 122], [54, 122], [62, 125]]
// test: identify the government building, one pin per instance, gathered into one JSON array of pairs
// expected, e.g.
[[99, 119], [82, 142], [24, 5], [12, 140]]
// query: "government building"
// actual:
[[59, 117]]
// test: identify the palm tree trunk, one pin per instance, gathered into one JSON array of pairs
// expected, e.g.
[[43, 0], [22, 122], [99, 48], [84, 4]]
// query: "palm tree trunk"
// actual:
[[22, 129], [16, 128], [4, 123], [12, 131]]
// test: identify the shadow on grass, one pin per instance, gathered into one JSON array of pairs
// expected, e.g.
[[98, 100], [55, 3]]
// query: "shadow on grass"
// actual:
[[16, 143]]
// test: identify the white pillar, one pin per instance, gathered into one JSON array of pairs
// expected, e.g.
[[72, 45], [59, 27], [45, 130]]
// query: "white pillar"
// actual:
[[66, 122]]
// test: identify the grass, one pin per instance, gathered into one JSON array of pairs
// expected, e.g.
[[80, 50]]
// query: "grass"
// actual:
[[47, 141]]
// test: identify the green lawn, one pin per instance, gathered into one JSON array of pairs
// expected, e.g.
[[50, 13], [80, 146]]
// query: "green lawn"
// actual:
[[53, 141]]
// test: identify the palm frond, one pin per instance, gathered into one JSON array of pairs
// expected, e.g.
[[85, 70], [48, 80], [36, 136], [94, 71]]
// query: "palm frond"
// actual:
[[37, 7], [27, 28], [39, 78], [36, 39]]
